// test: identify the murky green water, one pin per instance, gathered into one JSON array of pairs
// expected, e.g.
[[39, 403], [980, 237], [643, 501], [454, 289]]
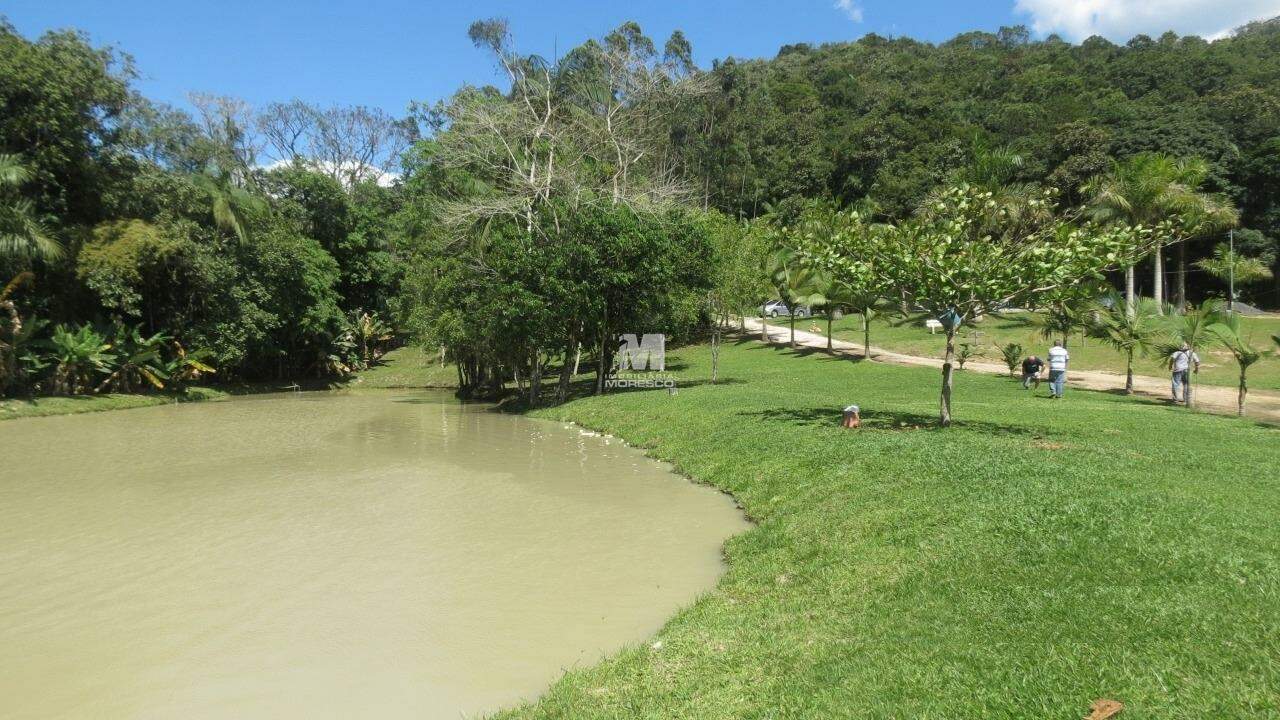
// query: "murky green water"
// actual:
[[329, 556]]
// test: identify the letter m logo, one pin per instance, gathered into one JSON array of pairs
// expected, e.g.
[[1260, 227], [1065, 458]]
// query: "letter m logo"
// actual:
[[646, 353]]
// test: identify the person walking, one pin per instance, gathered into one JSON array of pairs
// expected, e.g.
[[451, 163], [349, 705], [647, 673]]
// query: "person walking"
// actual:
[[1058, 358], [1183, 361], [1031, 369]]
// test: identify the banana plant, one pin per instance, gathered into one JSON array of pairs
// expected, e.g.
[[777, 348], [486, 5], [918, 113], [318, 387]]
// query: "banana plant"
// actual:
[[187, 365], [139, 361], [79, 354], [369, 334]]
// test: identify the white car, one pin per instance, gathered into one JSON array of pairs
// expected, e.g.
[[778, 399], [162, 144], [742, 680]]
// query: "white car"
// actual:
[[774, 308]]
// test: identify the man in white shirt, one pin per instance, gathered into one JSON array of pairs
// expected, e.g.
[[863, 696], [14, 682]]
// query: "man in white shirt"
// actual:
[[1183, 361], [1058, 357]]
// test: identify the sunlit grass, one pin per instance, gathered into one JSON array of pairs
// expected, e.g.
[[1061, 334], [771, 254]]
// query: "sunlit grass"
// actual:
[[18, 408], [1033, 558]]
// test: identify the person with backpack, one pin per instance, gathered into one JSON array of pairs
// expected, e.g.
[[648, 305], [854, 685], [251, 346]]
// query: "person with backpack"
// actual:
[[1031, 369], [1058, 358], [1183, 362]]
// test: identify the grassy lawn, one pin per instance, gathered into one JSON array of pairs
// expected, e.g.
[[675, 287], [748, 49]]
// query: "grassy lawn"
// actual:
[[1033, 558], [913, 339], [98, 403], [408, 367]]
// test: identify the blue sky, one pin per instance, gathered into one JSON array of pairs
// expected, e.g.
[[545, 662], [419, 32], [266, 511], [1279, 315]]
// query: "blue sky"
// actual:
[[387, 52]]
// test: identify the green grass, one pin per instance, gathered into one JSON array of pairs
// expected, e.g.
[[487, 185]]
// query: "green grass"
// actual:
[[98, 403], [408, 367], [913, 339], [1033, 558]]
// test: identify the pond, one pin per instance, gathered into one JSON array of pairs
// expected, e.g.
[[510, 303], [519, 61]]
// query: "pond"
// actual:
[[330, 555]]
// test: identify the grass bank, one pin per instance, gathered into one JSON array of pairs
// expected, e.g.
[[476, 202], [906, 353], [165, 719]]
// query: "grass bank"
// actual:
[[1086, 354], [40, 406], [1035, 557]]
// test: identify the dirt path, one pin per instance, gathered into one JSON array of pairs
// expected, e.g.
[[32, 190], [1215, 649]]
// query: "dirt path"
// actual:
[[1262, 404]]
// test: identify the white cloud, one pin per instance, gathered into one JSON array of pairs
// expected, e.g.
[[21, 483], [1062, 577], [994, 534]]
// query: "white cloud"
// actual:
[[382, 177], [850, 8], [1119, 20]]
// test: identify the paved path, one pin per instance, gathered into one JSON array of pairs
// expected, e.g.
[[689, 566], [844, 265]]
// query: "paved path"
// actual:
[[1262, 404]]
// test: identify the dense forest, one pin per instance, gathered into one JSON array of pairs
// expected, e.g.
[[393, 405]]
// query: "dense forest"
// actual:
[[891, 119], [608, 190]]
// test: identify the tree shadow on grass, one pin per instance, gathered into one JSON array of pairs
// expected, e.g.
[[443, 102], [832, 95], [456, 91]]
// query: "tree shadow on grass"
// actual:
[[894, 421], [809, 351]]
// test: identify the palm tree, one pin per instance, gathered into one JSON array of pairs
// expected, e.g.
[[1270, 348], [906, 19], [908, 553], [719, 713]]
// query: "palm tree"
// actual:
[[1226, 264], [1228, 333], [1128, 332], [1156, 191], [793, 282], [1060, 320], [21, 232], [1195, 328], [1210, 215], [229, 202]]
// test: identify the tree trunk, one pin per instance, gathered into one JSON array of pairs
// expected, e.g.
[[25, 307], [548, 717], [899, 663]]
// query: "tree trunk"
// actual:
[[1130, 297], [1244, 390], [764, 327], [793, 327], [944, 415], [535, 378], [1180, 281], [715, 353], [1157, 279], [1189, 390], [829, 348], [1128, 374], [866, 336], [567, 371]]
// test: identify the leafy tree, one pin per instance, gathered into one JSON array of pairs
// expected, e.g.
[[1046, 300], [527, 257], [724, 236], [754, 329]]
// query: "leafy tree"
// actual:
[[833, 244], [61, 97], [948, 262]]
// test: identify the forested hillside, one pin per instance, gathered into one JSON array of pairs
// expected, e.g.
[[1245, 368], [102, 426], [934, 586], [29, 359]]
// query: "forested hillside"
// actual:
[[890, 119]]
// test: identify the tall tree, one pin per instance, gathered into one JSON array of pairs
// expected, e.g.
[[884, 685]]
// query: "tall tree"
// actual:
[[949, 261]]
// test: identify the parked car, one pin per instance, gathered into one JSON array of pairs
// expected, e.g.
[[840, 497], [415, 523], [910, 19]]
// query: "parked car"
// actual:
[[774, 308]]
